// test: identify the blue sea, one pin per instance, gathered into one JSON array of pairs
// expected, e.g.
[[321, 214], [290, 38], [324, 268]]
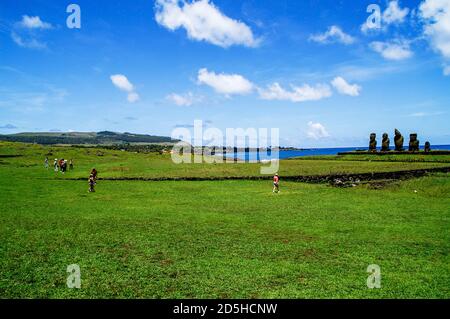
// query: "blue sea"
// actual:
[[262, 156]]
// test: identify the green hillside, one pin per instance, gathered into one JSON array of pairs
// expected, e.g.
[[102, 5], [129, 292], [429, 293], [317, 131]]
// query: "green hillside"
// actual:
[[99, 138]]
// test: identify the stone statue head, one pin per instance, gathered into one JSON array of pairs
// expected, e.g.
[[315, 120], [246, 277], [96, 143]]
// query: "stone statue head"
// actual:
[[385, 136], [397, 133]]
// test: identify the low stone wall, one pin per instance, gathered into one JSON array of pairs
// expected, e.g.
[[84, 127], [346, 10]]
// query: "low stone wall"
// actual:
[[10, 156], [305, 179]]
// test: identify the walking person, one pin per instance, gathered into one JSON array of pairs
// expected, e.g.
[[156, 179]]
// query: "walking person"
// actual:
[[91, 184], [94, 174], [71, 164], [60, 165], [55, 165], [46, 162], [276, 184]]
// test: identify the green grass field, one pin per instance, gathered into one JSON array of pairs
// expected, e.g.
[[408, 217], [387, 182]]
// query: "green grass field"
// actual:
[[218, 239]]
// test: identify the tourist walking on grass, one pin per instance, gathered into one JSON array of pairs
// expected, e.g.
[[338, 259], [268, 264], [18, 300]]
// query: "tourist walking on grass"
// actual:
[[71, 164], [55, 165], [46, 162], [94, 174], [91, 184], [62, 165], [276, 184]]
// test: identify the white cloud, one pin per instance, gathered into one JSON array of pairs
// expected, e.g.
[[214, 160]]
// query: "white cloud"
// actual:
[[182, 100], [30, 43], [394, 14], [34, 23], [316, 131], [436, 15], [396, 50], [297, 94], [227, 84], [365, 28], [333, 34], [344, 87], [24, 32], [121, 82], [132, 97], [203, 21]]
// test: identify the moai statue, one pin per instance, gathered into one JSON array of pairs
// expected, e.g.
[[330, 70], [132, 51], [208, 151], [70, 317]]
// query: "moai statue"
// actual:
[[373, 143], [427, 147], [385, 143], [413, 143], [398, 140]]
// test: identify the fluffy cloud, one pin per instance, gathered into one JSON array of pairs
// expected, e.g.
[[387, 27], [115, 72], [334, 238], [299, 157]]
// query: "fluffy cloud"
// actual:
[[297, 94], [316, 131], [333, 34], [231, 84], [34, 23], [436, 15], [227, 84], [121, 82], [203, 21], [344, 87], [394, 14], [396, 50], [182, 100], [25, 32], [30, 43], [132, 97]]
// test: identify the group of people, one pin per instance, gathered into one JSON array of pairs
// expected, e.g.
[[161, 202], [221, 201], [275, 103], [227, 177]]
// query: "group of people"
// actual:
[[59, 165]]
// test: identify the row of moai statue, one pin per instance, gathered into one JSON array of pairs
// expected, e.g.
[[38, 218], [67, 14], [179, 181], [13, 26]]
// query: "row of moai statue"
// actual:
[[398, 141]]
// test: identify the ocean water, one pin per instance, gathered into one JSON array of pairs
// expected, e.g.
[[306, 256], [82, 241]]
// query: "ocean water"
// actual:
[[261, 156]]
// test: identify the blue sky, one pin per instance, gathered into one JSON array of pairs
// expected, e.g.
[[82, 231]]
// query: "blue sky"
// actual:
[[311, 68]]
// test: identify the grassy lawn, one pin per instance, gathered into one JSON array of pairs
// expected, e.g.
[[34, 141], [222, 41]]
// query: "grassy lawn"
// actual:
[[124, 164], [225, 239]]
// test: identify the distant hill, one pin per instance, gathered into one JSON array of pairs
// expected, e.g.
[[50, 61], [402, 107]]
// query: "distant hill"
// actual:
[[99, 138]]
